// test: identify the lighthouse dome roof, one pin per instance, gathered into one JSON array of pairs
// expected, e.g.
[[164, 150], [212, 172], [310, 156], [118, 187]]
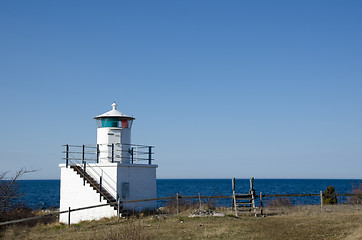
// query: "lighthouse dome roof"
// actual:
[[114, 113]]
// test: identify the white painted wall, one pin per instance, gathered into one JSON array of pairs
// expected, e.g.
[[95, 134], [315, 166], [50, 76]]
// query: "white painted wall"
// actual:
[[140, 177], [74, 195], [120, 137], [142, 185]]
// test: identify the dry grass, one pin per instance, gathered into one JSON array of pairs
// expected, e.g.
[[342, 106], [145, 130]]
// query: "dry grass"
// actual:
[[279, 202], [303, 222], [187, 204], [183, 205]]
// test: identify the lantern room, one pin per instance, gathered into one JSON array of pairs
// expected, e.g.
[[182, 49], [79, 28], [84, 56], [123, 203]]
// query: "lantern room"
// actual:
[[114, 135], [114, 122], [114, 118]]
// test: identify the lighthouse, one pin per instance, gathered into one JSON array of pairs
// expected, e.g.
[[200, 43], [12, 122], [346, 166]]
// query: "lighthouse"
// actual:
[[114, 136], [107, 173]]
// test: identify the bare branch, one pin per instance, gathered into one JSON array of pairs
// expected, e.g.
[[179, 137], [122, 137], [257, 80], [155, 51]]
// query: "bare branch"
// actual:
[[9, 189]]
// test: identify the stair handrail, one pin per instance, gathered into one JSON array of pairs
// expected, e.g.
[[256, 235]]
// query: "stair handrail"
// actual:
[[92, 167], [96, 187], [95, 178]]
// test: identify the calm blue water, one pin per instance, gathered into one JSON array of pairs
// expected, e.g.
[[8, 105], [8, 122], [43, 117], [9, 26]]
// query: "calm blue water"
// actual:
[[45, 193]]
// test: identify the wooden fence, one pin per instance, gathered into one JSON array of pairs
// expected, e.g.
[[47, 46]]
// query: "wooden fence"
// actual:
[[177, 197]]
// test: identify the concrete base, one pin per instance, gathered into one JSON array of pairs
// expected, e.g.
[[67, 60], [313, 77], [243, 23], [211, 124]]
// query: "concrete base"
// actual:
[[129, 181]]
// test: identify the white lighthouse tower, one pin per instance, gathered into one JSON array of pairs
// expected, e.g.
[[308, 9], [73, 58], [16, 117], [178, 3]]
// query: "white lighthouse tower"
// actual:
[[113, 169], [114, 136]]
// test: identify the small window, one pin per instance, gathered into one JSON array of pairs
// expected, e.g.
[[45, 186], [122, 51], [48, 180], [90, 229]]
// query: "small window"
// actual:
[[124, 124], [108, 122]]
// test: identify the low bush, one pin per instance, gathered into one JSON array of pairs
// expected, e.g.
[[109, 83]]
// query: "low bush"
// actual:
[[329, 196], [16, 213]]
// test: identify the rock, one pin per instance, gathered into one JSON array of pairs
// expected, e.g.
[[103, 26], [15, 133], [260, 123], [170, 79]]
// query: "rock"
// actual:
[[206, 213], [159, 217]]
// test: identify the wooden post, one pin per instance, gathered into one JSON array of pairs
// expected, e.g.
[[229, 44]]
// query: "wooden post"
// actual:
[[235, 206], [200, 201], [177, 210], [233, 186], [261, 203], [253, 202], [234, 198], [321, 194], [251, 183], [69, 217], [233, 182], [252, 195]]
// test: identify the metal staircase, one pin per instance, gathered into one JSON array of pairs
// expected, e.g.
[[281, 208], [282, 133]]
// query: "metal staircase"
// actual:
[[85, 159], [96, 186]]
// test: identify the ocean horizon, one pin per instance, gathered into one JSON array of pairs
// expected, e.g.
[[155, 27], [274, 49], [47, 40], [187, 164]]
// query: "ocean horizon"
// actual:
[[44, 194]]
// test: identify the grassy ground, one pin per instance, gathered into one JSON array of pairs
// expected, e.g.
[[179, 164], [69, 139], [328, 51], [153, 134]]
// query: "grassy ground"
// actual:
[[306, 222]]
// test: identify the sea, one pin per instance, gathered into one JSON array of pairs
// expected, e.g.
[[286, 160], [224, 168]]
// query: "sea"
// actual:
[[45, 194]]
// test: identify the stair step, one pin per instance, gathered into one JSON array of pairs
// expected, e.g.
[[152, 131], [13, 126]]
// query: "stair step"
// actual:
[[105, 194]]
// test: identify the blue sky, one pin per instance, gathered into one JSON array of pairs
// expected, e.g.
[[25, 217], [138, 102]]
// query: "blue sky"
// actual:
[[222, 89]]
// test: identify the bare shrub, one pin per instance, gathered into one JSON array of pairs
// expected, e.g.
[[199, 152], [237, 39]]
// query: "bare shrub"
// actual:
[[356, 199], [9, 190], [16, 213], [279, 202], [183, 205], [10, 206], [209, 204]]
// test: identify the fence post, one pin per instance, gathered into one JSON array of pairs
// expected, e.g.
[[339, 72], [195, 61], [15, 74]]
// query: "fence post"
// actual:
[[112, 152], [177, 210], [118, 206], [84, 172], [200, 201], [100, 188], [97, 153], [321, 194], [261, 203], [149, 154], [132, 154], [233, 186], [66, 155], [69, 217]]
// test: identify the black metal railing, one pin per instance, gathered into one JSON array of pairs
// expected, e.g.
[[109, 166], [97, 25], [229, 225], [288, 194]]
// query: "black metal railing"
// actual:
[[124, 153], [86, 156], [90, 171]]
